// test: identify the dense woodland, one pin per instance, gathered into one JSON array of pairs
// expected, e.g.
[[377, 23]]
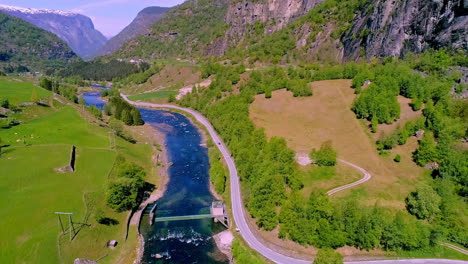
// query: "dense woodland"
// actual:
[[98, 70], [435, 212]]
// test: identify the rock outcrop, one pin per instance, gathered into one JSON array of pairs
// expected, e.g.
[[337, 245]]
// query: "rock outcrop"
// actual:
[[275, 14], [393, 28]]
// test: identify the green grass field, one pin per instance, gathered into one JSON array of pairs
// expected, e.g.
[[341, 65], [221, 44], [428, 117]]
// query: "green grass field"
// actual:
[[152, 95], [19, 91], [31, 190]]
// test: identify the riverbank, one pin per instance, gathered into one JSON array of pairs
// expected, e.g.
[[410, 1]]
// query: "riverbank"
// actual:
[[160, 159]]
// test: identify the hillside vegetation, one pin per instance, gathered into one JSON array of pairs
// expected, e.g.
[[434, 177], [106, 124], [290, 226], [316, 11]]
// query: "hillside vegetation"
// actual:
[[26, 48], [271, 179]]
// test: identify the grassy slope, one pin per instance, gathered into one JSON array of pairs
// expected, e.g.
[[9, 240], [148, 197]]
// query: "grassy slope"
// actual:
[[31, 190], [18, 90], [307, 122]]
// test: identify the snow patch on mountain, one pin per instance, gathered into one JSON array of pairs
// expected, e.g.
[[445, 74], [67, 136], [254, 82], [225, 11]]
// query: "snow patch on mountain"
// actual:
[[34, 11]]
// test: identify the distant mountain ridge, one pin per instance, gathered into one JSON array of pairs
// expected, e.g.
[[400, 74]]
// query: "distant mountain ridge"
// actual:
[[139, 26], [75, 29], [25, 47]]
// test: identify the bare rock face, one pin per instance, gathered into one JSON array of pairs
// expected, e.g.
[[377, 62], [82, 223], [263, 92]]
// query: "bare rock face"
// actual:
[[276, 14], [394, 28]]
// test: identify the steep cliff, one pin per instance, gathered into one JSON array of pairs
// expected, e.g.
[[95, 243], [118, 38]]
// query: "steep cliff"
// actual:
[[25, 47], [393, 28], [273, 14], [304, 30], [140, 25], [75, 29]]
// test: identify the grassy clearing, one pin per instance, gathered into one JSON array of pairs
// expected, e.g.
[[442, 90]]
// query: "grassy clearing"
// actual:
[[435, 252], [19, 91], [152, 95], [306, 123], [327, 178], [171, 77], [32, 190]]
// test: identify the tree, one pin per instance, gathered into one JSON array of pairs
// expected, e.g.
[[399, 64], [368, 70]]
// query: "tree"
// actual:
[[374, 123], [171, 98], [81, 101], [127, 117], [325, 156], [34, 97], [397, 158], [124, 193], [5, 103], [137, 120], [427, 150], [424, 203], [328, 256]]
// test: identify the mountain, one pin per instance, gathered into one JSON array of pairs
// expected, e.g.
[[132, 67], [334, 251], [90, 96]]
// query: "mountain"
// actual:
[[304, 30], [185, 30], [139, 26], [25, 47], [75, 29]]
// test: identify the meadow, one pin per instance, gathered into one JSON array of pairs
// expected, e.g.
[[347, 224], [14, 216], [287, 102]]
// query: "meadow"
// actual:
[[32, 189], [306, 122], [152, 95]]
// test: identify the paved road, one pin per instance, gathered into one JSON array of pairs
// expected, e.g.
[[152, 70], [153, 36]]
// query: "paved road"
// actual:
[[236, 198]]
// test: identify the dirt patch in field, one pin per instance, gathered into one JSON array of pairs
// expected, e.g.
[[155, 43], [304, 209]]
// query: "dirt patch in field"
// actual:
[[307, 122]]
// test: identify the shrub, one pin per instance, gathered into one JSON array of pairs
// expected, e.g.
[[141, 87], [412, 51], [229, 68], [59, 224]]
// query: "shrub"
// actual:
[[325, 156], [397, 158], [328, 256]]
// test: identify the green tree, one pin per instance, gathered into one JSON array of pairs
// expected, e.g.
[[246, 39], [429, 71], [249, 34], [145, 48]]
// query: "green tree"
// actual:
[[424, 203], [328, 256], [124, 193], [171, 98], [427, 150], [5, 103], [81, 101], [127, 117], [374, 123], [397, 158], [325, 156], [136, 116]]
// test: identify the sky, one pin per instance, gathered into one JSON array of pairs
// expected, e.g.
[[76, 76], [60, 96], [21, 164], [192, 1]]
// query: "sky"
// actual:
[[109, 16]]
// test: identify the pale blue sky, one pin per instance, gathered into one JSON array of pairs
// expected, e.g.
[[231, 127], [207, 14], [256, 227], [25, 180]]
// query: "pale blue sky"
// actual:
[[109, 16]]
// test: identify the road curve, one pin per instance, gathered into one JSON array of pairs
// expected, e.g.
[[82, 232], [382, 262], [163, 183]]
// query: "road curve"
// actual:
[[236, 198], [367, 176]]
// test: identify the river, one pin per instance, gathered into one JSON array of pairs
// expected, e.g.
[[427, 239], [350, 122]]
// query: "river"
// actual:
[[187, 193]]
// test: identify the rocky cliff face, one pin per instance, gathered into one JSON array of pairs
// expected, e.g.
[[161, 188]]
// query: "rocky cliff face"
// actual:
[[393, 28], [76, 30], [275, 14], [139, 26]]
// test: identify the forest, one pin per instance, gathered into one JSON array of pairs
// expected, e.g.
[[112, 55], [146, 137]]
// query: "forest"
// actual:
[[99, 70], [435, 211]]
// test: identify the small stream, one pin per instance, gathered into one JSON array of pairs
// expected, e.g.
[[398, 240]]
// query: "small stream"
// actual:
[[187, 193]]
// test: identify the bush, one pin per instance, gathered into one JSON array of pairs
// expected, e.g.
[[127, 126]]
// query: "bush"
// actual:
[[5, 103], [328, 256], [397, 158], [424, 203], [325, 156]]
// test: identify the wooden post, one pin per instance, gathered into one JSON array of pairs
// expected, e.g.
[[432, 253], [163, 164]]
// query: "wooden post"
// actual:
[[60, 223]]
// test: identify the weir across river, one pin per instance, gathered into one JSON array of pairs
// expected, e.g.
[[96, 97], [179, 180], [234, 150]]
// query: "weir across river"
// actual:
[[217, 211]]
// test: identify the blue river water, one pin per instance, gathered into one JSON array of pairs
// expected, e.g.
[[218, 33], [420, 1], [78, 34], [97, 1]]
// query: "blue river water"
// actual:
[[187, 193]]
